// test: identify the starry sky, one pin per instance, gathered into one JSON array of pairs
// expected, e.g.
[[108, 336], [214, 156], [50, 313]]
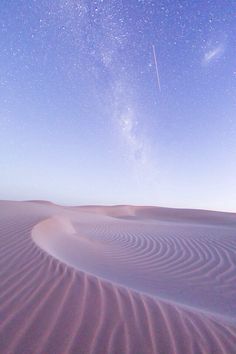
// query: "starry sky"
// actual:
[[119, 102]]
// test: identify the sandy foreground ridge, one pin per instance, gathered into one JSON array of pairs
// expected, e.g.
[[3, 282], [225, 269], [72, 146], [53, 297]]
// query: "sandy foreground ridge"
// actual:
[[120, 279]]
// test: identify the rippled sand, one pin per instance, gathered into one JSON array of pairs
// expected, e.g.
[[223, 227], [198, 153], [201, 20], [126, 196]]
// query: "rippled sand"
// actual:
[[116, 280]]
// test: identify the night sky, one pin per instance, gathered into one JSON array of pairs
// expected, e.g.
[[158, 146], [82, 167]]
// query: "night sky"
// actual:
[[119, 102]]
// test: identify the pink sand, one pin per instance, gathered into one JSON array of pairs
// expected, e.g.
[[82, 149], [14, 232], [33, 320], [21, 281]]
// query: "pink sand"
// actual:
[[118, 279]]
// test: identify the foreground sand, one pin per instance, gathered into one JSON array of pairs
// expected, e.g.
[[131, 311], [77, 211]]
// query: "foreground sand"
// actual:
[[116, 280]]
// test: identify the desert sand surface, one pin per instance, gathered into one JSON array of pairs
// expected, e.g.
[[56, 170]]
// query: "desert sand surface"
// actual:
[[116, 280]]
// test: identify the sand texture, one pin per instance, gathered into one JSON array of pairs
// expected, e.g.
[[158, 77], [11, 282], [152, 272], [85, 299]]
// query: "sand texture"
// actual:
[[116, 280]]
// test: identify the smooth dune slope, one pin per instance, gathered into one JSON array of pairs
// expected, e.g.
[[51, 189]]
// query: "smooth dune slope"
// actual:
[[116, 280]]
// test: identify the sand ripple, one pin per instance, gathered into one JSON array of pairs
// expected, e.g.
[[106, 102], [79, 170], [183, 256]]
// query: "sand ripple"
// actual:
[[112, 284]]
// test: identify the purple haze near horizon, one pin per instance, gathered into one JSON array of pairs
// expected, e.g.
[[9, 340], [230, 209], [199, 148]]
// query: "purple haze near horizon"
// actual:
[[88, 116]]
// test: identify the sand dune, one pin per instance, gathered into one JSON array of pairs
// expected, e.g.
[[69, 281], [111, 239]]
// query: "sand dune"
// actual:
[[116, 280]]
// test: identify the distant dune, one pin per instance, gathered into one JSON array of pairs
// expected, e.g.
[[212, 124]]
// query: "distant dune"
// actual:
[[116, 280]]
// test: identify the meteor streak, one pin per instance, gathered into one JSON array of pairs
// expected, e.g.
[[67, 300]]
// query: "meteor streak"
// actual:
[[157, 72]]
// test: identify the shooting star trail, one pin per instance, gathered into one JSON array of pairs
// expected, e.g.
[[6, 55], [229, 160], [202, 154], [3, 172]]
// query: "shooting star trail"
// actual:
[[157, 72]]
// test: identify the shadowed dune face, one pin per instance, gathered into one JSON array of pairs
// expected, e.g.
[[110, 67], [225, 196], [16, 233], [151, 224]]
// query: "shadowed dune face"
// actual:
[[191, 263], [164, 214], [140, 282]]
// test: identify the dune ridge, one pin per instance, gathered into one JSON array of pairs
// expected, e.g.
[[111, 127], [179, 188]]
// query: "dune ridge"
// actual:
[[57, 301]]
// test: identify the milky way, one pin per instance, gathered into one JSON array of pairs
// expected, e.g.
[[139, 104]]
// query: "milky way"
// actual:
[[83, 118]]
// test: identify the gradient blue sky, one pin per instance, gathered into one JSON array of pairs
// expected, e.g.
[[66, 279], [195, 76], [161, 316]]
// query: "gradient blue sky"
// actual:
[[83, 119]]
